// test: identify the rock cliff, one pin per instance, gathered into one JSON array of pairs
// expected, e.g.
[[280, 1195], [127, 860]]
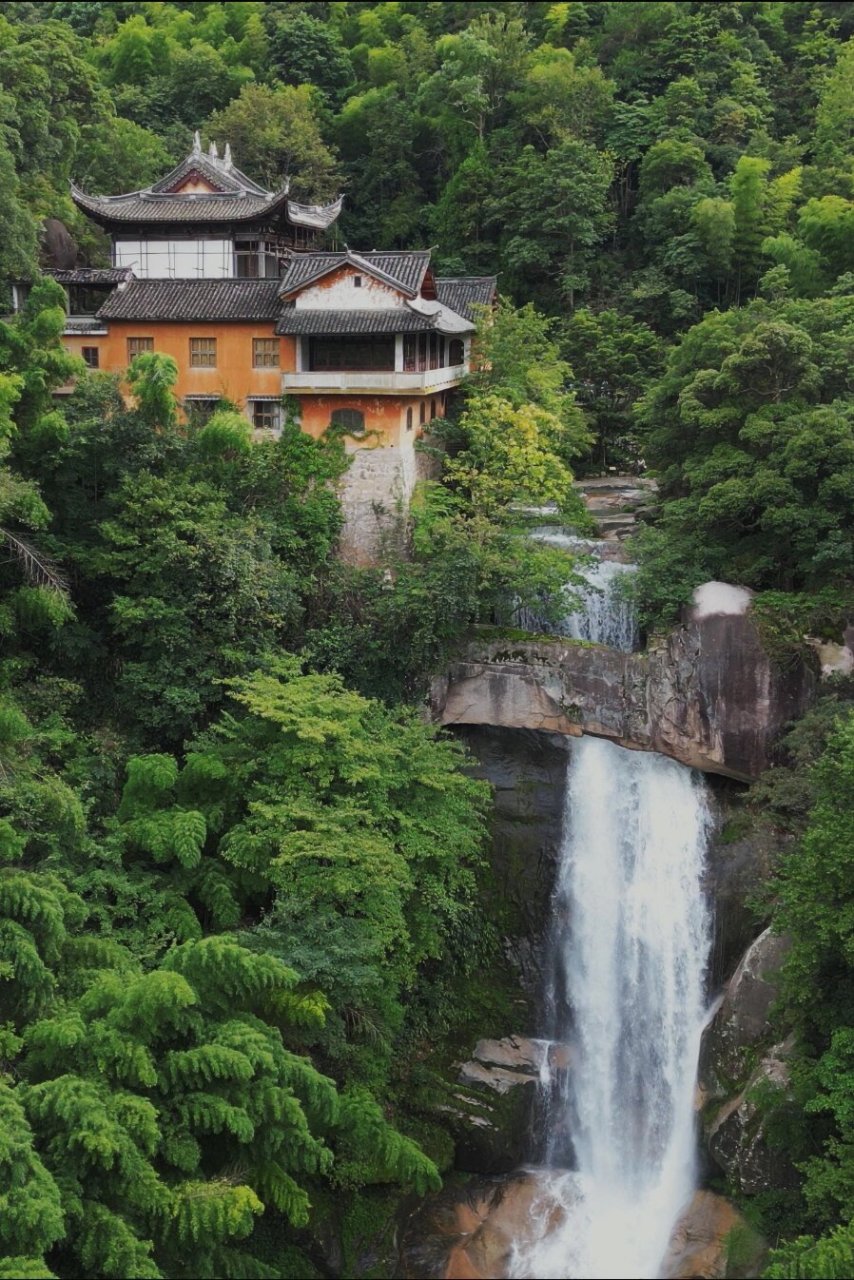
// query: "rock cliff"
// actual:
[[708, 695]]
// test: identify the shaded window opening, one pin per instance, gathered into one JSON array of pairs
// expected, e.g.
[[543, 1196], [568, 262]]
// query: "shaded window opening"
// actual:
[[92, 357], [266, 414], [351, 355], [456, 351], [409, 418], [352, 421]]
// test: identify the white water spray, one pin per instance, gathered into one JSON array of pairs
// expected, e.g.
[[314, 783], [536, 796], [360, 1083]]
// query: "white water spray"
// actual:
[[631, 941]]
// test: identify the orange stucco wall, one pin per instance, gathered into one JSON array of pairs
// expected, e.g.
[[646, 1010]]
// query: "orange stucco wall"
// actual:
[[233, 378], [385, 417]]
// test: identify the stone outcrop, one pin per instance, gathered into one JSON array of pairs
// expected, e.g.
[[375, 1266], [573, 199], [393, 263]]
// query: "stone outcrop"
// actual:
[[737, 1134], [740, 1067], [708, 696], [491, 1114], [740, 1028], [710, 1240]]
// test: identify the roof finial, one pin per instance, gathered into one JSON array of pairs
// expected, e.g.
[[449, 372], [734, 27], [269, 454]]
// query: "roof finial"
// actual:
[[227, 160], [197, 143], [212, 151]]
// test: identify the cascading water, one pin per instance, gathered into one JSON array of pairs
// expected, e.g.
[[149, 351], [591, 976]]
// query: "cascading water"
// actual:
[[602, 611], [630, 945]]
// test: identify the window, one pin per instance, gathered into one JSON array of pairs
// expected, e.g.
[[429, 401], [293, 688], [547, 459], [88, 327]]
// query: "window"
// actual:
[[422, 416], [199, 408], [456, 351], [353, 355], [92, 357], [410, 352], [350, 421], [357, 282], [265, 353], [409, 418], [434, 350], [137, 346], [266, 414], [432, 409], [256, 259], [203, 353]]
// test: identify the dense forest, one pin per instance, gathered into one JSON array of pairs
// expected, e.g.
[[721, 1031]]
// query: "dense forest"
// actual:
[[243, 884]]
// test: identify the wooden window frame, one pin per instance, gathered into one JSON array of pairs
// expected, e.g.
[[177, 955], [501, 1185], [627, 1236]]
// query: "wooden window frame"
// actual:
[[266, 353], [139, 346], [88, 353], [269, 409], [203, 359]]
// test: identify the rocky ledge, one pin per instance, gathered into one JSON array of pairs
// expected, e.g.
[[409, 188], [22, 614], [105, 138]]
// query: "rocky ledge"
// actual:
[[708, 695]]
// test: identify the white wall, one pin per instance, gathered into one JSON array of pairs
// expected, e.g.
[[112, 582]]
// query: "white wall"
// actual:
[[176, 259], [343, 295]]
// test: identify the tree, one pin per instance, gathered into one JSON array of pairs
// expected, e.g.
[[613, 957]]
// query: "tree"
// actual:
[[554, 212], [275, 134], [304, 50], [118, 155], [613, 358]]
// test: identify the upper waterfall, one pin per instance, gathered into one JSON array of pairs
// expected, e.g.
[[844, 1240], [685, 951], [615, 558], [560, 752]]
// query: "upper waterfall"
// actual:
[[600, 610]]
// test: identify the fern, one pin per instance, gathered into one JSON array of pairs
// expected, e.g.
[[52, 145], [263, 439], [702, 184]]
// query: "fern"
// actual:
[[213, 1212], [280, 1189], [194, 1068], [109, 1246]]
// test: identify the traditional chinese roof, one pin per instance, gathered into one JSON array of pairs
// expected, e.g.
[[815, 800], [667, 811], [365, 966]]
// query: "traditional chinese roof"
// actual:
[[418, 316], [231, 197], [94, 277], [202, 300], [307, 322], [463, 293], [402, 269]]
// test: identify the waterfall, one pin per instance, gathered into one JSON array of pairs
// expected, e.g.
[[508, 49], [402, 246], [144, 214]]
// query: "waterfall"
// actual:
[[630, 944], [602, 610]]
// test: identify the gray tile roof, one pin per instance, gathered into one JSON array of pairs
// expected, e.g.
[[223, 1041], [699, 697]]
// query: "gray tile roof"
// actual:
[[294, 320], [402, 269], [148, 206], [236, 198], [221, 173], [463, 293], [91, 275], [315, 215], [194, 300], [83, 325]]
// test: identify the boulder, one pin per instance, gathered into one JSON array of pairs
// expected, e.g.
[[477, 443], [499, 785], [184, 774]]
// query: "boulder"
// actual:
[[711, 1239]]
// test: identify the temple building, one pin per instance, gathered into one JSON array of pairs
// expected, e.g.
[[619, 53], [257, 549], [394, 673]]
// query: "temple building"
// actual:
[[242, 287]]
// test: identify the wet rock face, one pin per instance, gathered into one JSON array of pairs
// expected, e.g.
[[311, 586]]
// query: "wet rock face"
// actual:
[[737, 1136], [492, 1113], [471, 1234], [741, 857], [708, 696], [741, 1025], [711, 1239], [739, 1064], [528, 774]]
